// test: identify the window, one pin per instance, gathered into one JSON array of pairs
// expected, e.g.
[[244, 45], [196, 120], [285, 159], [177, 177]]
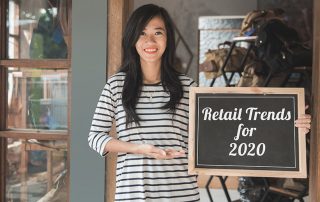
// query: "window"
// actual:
[[35, 66]]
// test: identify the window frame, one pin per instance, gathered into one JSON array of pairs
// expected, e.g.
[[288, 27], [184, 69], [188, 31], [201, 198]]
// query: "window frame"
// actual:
[[30, 63]]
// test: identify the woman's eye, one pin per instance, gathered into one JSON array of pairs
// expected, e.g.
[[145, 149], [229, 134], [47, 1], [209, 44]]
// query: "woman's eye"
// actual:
[[142, 33], [158, 33]]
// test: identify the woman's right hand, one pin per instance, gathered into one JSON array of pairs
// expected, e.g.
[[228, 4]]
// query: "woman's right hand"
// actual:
[[157, 153]]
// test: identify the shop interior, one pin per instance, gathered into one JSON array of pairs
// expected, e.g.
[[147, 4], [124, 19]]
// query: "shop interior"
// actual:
[[203, 44]]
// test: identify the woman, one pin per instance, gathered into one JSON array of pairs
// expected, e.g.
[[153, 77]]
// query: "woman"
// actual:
[[148, 100]]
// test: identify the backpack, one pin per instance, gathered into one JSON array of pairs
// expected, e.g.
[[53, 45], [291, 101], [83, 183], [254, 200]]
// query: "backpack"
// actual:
[[254, 19], [279, 46]]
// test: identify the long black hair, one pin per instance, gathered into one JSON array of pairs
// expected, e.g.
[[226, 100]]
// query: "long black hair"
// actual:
[[131, 61]]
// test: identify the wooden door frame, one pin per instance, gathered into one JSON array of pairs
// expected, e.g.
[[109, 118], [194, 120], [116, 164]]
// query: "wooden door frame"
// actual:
[[117, 14], [314, 170], [3, 108]]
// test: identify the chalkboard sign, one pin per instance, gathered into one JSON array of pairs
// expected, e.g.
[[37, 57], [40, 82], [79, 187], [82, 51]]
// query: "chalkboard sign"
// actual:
[[246, 132]]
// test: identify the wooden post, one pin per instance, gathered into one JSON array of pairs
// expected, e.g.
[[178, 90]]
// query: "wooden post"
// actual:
[[3, 141], [3, 102], [314, 183], [23, 172], [49, 169], [118, 11]]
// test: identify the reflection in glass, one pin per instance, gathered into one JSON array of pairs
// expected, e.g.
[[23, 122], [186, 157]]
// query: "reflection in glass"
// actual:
[[36, 170], [37, 99], [38, 29]]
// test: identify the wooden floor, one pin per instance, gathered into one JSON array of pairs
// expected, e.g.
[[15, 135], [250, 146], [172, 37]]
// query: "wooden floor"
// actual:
[[218, 195]]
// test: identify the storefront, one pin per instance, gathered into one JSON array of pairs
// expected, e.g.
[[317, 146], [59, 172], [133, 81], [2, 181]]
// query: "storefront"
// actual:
[[95, 52]]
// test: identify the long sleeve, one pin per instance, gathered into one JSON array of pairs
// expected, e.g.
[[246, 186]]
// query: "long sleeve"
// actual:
[[193, 83], [139, 177], [102, 121]]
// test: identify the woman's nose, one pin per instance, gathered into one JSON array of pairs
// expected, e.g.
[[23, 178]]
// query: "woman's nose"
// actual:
[[150, 38]]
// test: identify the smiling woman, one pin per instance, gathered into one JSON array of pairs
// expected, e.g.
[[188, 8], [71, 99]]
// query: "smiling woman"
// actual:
[[152, 134], [151, 45]]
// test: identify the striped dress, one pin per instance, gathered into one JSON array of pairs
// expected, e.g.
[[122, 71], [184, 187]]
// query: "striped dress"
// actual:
[[138, 177]]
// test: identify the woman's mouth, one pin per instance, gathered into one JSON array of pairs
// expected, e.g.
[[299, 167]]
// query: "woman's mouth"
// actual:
[[150, 50]]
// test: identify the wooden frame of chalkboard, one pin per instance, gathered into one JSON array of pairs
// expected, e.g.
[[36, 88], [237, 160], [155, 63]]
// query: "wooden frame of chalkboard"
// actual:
[[240, 131]]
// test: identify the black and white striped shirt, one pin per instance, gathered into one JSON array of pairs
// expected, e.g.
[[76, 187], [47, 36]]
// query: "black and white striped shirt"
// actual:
[[141, 178]]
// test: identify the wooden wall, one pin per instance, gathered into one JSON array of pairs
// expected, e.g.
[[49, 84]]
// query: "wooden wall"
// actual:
[[314, 183]]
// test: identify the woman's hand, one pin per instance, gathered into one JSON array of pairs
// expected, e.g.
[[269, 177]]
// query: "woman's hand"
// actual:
[[172, 153], [304, 123], [157, 153]]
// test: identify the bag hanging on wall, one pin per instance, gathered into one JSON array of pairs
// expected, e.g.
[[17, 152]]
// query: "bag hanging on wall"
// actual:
[[253, 75], [254, 19], [280, 47], [215, 59]]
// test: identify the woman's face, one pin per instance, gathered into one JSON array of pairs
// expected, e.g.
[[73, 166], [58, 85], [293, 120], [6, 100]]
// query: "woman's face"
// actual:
[[152, 41]]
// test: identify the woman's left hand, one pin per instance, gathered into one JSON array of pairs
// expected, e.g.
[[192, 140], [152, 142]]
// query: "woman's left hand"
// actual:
[[304, 123]]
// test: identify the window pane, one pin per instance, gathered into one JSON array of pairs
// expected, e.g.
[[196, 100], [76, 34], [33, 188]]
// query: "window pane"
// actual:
[[37, 99], [37, 29], [36, 170]]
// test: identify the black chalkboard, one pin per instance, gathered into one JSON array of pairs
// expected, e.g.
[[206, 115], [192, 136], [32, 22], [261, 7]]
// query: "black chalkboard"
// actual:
[[246, 131]]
